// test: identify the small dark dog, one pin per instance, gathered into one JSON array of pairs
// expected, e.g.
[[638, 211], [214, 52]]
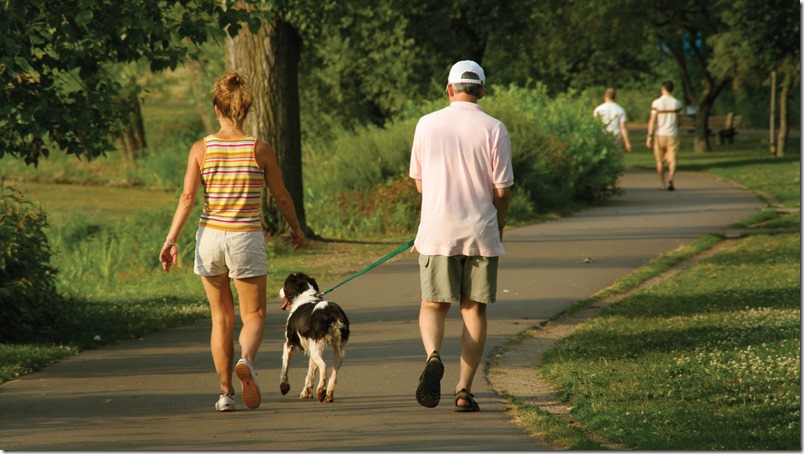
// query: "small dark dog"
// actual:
[[313, 323]]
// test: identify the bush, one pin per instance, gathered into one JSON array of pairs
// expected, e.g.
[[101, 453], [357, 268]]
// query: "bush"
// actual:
[[562, 155], [28, 299]]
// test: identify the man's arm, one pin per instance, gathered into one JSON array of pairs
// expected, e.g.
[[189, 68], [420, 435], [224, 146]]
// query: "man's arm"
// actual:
[[624, 135], [501, 201], [651, 124]]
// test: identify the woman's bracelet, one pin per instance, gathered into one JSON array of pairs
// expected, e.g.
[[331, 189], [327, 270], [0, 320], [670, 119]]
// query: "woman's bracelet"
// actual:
[[172, 243]]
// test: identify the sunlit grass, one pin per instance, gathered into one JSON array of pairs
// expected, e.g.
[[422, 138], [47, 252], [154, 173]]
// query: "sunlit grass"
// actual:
[[707, 360]]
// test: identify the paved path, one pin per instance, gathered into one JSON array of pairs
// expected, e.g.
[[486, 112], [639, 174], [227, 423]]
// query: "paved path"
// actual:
[[158, 393]]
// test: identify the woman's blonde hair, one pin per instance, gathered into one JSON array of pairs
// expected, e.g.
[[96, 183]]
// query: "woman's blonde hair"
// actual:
[[232, 94]]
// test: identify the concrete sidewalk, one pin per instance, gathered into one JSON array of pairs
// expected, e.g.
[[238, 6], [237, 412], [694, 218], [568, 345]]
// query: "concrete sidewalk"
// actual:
[[158, 393]]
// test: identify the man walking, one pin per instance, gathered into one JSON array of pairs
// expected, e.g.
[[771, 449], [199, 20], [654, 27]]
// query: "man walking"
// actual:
[[461, 161], [613, 116], [664, 122]]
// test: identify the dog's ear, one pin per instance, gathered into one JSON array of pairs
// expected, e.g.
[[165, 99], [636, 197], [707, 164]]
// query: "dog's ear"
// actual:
[[314, 284]]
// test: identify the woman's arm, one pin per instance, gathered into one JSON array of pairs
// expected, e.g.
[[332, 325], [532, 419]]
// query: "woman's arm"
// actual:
[[192, 179]]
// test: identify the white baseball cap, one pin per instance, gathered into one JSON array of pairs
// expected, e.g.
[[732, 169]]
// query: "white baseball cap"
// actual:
[[464, 66]]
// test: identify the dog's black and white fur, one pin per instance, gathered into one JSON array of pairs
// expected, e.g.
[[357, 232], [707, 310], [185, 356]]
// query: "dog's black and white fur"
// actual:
[[313, 323]]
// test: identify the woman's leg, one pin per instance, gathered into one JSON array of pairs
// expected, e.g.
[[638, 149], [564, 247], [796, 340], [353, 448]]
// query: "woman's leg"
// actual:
[[251, 294], [221, 304]]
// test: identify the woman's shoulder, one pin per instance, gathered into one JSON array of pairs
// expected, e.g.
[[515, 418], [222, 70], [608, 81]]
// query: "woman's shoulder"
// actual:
[[198, 145], [263, 153]]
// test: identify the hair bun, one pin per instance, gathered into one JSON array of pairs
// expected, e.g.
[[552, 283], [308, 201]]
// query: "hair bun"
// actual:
[[234, 78]]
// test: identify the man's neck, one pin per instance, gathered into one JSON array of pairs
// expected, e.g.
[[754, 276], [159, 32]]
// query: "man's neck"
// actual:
[[463, 97]]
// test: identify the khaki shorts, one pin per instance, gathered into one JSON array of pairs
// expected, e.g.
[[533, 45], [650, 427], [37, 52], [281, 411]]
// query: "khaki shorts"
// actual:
[[241, 254], [450, 279], [665, 149]]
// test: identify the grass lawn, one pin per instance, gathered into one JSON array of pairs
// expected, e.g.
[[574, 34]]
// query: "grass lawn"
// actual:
[[709, 359]]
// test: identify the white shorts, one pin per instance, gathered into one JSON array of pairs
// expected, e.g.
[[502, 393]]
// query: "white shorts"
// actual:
[[241, 254]]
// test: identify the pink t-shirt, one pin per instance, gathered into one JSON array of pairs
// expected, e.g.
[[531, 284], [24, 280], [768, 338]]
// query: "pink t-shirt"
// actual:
[[460, 154]]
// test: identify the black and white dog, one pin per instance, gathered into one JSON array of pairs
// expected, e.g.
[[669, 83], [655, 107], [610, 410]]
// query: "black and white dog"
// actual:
[[313, 323]]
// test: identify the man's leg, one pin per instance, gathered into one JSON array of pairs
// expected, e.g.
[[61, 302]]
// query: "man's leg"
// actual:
[[672, 151], [658, 155], [431, 325], [473, 342]]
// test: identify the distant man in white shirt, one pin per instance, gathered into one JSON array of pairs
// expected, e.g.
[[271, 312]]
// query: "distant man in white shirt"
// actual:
[[613, 116], [461, 162], [664, 121]]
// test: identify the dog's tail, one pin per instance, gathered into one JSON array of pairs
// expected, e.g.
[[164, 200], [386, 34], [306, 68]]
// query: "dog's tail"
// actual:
[[341, 325]]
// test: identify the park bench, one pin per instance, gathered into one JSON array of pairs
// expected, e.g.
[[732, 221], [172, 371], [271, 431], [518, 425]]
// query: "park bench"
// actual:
[[726, 127]]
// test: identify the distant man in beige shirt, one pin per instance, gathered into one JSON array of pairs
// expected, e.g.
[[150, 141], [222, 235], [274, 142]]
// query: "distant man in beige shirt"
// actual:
[[664, 121]]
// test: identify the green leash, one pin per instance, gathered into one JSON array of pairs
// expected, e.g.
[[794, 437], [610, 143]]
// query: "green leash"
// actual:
[[373, 265]]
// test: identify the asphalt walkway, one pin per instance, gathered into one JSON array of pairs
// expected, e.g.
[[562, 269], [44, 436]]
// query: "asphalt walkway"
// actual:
[[157, 393]]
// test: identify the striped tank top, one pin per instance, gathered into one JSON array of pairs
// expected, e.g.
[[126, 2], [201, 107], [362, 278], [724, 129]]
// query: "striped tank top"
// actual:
[[233, 184]]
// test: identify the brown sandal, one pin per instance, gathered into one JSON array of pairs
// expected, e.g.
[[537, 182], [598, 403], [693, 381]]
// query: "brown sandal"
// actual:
[[468, 397]]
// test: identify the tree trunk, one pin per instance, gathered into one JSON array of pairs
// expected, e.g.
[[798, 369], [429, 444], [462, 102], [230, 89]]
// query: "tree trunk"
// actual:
[[781, 138], [701, 140], [270, 61], [201, 96], [133, 139], [137, 123], [772, 125]]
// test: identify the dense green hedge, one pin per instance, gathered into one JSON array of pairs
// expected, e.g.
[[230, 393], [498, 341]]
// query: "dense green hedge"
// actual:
[[28, 299], [563, 158]]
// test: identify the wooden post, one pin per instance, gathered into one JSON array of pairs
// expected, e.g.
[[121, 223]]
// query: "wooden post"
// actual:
[[772, 138]]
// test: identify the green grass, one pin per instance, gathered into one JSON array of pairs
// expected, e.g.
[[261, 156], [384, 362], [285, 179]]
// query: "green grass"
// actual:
[[708, 359], [94, 204]]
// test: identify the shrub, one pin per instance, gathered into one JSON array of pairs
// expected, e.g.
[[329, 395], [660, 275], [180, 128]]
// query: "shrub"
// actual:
[[28, 299], [388, 208], [562, 155]]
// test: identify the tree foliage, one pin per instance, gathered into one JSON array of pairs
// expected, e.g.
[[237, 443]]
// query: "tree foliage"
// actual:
[[364, 61], [58, 92]]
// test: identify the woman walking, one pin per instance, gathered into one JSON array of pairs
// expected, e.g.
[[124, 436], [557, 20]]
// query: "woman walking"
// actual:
[[232, 168]]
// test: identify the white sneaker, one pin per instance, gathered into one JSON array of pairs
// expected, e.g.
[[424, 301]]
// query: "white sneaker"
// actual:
[[248, 378], [225, 403]]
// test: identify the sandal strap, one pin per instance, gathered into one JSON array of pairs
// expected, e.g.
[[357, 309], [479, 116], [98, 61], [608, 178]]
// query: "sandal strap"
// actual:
[[463, 394], [471, 404]]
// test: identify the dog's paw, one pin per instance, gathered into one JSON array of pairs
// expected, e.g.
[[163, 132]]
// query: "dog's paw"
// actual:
[[284, 388]]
